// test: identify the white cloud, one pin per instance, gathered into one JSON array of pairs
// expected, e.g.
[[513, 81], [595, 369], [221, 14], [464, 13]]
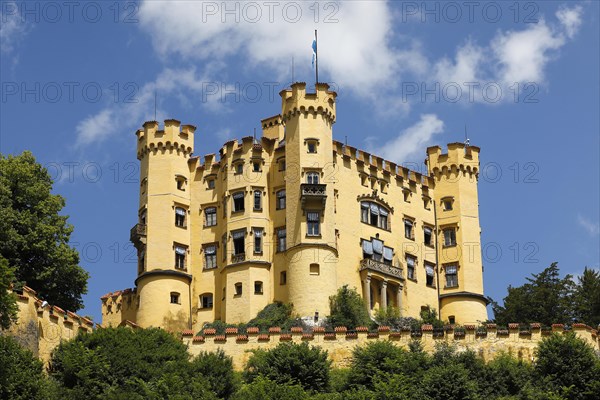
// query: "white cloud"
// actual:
[[356, 59], [593, 228], [411, 140], [178, 83], [570, 18], [465, 67], [12, 31]]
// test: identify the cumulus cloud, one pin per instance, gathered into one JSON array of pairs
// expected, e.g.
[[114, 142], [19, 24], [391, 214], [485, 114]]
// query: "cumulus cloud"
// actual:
[[570, 18], [356, 59], [412, 140], [170, 82]]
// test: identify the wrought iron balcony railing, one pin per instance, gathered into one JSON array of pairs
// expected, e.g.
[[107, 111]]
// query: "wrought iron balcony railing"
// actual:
[[236, 258], [317, 191], [377, 266]]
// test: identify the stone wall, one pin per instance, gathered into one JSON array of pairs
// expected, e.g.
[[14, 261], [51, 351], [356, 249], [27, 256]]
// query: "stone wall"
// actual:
[[41, 327], [486, 342]]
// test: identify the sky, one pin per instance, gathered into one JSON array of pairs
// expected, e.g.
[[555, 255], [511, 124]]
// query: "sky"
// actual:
[[520, 78]]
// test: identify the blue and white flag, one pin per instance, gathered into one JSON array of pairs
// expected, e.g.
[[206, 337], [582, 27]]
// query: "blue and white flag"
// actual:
[[314, 49]]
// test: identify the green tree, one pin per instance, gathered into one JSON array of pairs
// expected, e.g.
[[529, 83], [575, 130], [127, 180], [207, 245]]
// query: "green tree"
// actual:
[[448, 381], [506, 376], [567, 365], [8, 304], [375, 358], [347, 309], [275, 314], [217, 368], [264, 389], [34, 238], [291, 364], [586, 298], [119, 362], [546, 298], [21, 375]]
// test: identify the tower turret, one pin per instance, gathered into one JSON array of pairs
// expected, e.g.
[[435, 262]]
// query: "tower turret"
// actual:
[[458, 235], [310, 175], [161, 235]]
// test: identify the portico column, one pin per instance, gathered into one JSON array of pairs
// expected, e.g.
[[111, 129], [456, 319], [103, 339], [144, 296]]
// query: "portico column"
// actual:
[[399, 295], [384, 294], [367, 295]]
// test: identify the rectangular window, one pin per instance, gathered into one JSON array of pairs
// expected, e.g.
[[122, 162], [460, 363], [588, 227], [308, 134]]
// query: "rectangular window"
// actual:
[[428, 236], [210, 257], [258, 242], [408, 229], [281, 199], [447, 204], [281, 240], [410, 267], [312, 178], [449, 237], [211, 183], [174, 298], [364, 212], [206, 300], [224, 242], [451, 276], [180, 217], [257, 200], [258, 287], [388, 255], [283, 278], [313, 224], [239, 168], [210, 214], [224, 207], [239, 242], [282, 165], [238, 201], [315, 269], [429, 274], [238, 289], [312, 146], [256, 167], [180, 257], [383, 218]]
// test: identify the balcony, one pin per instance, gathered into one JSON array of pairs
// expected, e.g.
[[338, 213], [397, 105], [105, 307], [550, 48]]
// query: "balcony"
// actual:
[[386, 269], [137, 235], [313, 191]]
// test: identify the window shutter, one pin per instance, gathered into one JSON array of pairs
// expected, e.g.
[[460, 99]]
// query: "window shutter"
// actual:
[[383, 212], [429, 270], [180, 250], [209, 250], [281, 233], [451, 269], [377, 246], [312, 217], [238, 195], [375, 209], [179, 211], [238, 234]]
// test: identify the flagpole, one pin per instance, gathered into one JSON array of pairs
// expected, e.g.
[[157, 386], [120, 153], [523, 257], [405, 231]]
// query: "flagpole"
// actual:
[[316, 58]]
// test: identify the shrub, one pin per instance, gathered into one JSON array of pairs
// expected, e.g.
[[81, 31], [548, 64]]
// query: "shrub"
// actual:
[[291, 364], [21, 375], [373, 359], [217, 368], [264, 389], [449, 381], [348, 309]]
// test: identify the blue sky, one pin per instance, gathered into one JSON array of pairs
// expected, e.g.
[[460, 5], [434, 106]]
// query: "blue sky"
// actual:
[[78, 80]]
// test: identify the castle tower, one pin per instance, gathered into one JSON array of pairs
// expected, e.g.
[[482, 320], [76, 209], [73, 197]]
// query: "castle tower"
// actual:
[[460, 266], [161, 235], [311, 254]]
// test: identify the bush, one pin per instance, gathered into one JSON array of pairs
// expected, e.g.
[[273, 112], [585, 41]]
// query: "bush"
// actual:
[[264, 389], [120, 362], [567, 365], [449, 381], [347, 309], [21, 375], [291, 364], [373, 359], [217, 368]]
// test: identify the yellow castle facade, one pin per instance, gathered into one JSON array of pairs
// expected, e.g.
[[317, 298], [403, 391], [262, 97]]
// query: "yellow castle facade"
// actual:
[[292, 217]]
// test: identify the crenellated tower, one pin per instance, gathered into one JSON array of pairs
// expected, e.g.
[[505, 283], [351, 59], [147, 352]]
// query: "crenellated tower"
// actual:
[[311, 253], [161, 236], [456, 205]]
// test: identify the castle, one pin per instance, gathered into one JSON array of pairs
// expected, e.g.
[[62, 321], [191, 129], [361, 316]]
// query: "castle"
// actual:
[[292, 217]]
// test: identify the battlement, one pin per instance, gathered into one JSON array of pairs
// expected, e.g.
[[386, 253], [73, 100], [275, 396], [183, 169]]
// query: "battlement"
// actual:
[[41, 326], [387, 167], [173, 136], [459, 156], [487, 340], [119, 306], [297, 100], [273, 127]]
